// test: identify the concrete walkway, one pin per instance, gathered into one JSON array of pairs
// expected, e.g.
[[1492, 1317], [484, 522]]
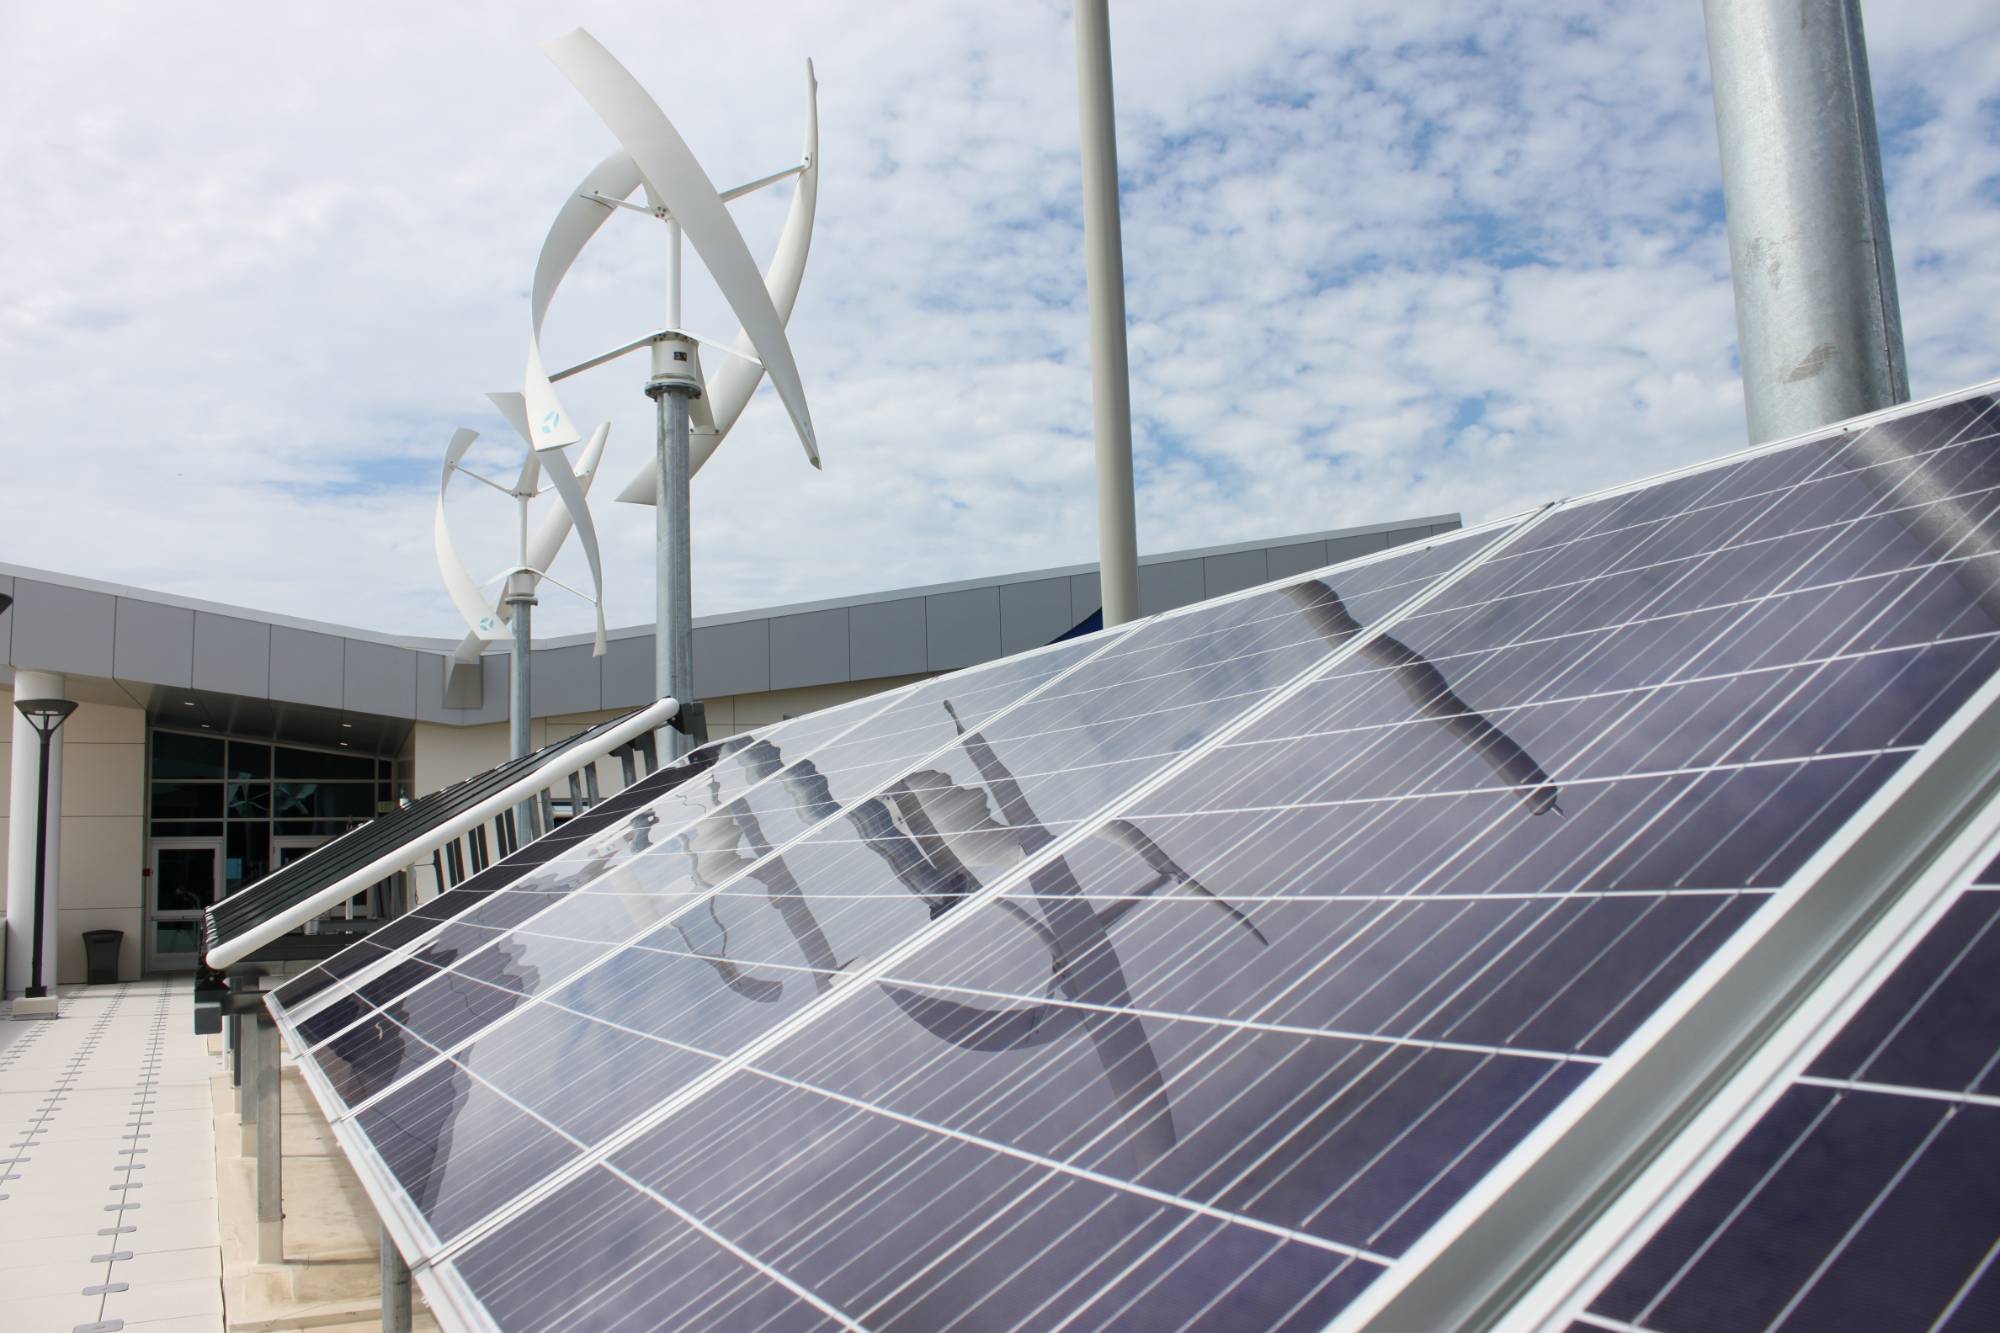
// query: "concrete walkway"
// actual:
[[108, 1214]]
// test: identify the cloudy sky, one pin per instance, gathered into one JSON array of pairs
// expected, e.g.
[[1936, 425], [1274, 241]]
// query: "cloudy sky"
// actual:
[[1384, 257]]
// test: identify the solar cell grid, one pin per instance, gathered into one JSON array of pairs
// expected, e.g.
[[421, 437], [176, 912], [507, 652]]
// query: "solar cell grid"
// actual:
[[1428, 998], [882, 858], [1865, 1197], [639, 810], [298, 993]]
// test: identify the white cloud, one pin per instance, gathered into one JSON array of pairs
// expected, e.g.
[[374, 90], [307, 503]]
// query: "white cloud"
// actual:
[[1384, 258]]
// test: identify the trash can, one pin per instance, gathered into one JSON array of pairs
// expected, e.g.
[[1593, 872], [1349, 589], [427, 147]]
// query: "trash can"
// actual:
[[100, 954]]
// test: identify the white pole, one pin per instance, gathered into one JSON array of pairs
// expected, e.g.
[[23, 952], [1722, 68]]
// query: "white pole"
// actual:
[[673, 274], [1818, 325], [1104, 261]]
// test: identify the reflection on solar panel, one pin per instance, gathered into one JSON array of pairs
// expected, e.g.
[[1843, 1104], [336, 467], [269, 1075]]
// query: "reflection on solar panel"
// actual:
[[1246, 966]]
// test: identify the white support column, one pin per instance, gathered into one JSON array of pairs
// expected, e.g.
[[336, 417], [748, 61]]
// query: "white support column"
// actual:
[[1104, 264], [26, 775]]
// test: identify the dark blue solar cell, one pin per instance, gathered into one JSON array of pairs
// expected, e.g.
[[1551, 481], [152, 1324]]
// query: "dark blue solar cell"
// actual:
[[458, 1149], [1857, 1212], [599, 1254], [1935, 1023]]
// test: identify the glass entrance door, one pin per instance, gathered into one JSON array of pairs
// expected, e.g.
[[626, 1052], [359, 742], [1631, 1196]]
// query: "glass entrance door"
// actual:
[[184, 875]]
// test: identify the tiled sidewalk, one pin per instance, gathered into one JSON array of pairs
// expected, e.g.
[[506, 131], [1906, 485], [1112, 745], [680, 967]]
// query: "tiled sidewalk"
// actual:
[[108, 1207]]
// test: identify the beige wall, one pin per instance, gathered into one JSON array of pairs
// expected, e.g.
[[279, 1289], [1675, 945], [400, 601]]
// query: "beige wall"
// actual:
[[101, 882]]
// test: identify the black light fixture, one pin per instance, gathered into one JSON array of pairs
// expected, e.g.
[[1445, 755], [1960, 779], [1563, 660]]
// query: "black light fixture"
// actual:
[[44, 715]]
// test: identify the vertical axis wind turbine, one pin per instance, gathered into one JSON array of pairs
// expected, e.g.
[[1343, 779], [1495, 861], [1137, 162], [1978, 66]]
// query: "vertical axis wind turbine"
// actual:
[[692, 412], [490, 620]]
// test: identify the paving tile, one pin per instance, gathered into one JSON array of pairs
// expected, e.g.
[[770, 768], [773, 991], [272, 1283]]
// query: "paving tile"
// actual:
[[53, 1312], [165, 1300]]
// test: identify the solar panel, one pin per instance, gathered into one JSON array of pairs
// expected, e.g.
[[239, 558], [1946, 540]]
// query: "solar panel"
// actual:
[[1865, 1197], [300, 880], [1203, 972]]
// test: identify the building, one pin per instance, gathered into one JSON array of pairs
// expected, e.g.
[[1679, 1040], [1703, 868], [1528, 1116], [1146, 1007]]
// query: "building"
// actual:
[[212, 743]]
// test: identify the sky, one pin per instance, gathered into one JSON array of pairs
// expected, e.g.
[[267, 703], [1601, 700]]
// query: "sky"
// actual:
[[1384, 258]]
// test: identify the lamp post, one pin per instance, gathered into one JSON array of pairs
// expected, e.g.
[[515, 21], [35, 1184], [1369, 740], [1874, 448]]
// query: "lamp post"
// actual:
[[44, 715]]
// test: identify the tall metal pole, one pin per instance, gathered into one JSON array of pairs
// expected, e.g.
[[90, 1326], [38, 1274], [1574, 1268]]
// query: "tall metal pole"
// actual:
[[395, 1287], [673, 627], [1104, 262], [672, 384], [1818, 324]]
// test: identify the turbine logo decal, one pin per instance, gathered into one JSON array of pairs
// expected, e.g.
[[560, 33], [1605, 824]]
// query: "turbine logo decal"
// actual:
[[549, 420]]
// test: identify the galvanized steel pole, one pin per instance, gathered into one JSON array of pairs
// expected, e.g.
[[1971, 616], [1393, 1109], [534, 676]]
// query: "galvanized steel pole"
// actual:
[[1818, 325], [395, 1287], [521, 601], [673, 626], [1104, 262]]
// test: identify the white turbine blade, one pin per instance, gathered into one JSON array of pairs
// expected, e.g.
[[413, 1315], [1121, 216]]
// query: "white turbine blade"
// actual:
[[576, 222], [671, 172], [571, 494], [465, 595], [514, 407], [735, 380]]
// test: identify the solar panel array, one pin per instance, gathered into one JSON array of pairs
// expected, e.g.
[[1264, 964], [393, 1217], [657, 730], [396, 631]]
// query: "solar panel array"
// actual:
[[297, 882], [1182, 975]]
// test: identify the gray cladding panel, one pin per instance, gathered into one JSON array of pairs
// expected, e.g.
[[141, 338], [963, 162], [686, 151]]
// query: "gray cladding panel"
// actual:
[[232, 656], [1172, 583], [1282, 561], [1230, 573], [1347, 548], [887, 639], [565, 681], [154, 643], [430, 691], [306, 668], [808, 649], [1084, 596], [736, 658], [962, 628], [379, 679], [6, 619], [625, 672], [1034, 614], [63, 629]]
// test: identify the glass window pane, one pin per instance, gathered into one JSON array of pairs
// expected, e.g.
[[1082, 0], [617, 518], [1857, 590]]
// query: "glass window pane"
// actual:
[[249, 759], [248, 800], [325, 800], [187, 800], [319, 764], [186, 828], [180, 756], [183, 878], [249, 855], [176, 937]]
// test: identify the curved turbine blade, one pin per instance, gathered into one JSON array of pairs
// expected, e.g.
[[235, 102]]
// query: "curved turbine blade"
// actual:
[[465, 594], [571, 494], [576, 222], [729, 389], [673, 175], [554, 528]]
